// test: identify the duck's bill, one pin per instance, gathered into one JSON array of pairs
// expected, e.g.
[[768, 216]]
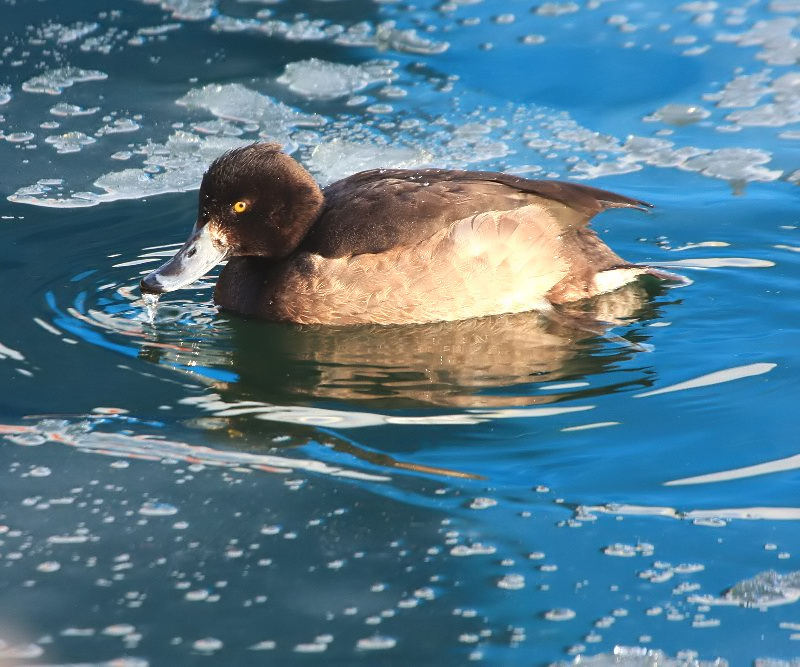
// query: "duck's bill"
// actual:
[[195, 258]]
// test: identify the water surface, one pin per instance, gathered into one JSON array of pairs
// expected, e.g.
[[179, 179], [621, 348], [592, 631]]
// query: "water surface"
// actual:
[[512, 490]]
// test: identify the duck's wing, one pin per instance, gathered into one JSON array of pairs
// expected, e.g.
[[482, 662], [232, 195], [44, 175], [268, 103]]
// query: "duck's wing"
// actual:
[[380, 209]]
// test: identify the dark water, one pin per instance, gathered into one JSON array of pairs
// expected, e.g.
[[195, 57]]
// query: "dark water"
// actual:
[[197, 488]]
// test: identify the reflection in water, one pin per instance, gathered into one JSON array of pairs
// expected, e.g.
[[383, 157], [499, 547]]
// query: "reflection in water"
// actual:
[[479, 363]]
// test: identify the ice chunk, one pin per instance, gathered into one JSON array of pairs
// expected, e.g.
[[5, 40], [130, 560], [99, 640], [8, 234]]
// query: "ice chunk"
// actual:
[[5, 95], [637, 656], [386, 36], [54, 81], [323, 80], [64, 109], [337, 159], [233, 101], [186, 10], [679, 114], [69, 142], [766, 589], [734, 164], [174, 166], [64, 34]]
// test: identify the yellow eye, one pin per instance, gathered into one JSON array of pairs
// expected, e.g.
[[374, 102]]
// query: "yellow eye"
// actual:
[[240, 207]]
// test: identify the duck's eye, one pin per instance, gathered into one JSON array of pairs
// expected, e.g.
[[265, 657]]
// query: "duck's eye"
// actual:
[[240, 207]]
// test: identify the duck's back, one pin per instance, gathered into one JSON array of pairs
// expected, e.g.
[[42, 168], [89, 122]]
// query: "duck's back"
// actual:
[[377, 210]]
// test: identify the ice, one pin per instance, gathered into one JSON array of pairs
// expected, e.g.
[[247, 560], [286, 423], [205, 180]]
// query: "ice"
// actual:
[[5, 95], [336, 159], [734, 164], [236, 102], [175, 166], [636, 656], [120, 126], [766, 589], [186, 10], [384, 36], [322, 80], [679, 114], [64, 109], [54, 81], [557, 8], [64, 34], [69, 142]]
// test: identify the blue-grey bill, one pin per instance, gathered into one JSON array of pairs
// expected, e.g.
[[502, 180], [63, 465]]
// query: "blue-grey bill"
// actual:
[[195, 258]]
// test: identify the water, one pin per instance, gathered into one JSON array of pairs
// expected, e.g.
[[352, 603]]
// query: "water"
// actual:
[[183, 486]]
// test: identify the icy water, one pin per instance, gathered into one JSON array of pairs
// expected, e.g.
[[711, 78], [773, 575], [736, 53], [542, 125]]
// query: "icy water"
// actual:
[[183, 487]]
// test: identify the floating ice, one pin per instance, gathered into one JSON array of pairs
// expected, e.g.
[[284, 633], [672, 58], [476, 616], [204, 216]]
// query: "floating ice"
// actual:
[[69, 142], [236, 102], [557, 8], [175, 166], [18, 137], [635, 656], [54, 81], [322, 80], [766, 589], [734, 164], [679, 114], [186, 10], [207, 645], [384, 36], [64, 109], [336, 159], [560, 614], [5, 95], [157, 509], [376, 643], [64, 34]]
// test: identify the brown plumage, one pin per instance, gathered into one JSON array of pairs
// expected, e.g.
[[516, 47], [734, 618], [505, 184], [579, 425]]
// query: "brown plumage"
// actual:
[[392, 246]]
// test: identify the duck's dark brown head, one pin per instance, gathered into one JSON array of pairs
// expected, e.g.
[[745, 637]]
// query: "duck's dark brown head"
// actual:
[[254, 201]]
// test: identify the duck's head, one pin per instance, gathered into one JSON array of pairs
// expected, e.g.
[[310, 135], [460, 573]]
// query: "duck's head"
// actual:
[[254, 201]]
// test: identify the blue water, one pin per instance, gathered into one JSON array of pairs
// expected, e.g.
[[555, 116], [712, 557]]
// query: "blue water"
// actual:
[[194, 488]]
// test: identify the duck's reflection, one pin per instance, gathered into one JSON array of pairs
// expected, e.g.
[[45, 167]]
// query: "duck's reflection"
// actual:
[[487, 362]]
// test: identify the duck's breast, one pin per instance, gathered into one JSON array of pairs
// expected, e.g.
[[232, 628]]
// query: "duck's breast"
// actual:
[[486, 264]]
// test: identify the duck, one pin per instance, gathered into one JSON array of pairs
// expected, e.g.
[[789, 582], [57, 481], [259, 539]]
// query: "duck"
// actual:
[[392, 246]]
